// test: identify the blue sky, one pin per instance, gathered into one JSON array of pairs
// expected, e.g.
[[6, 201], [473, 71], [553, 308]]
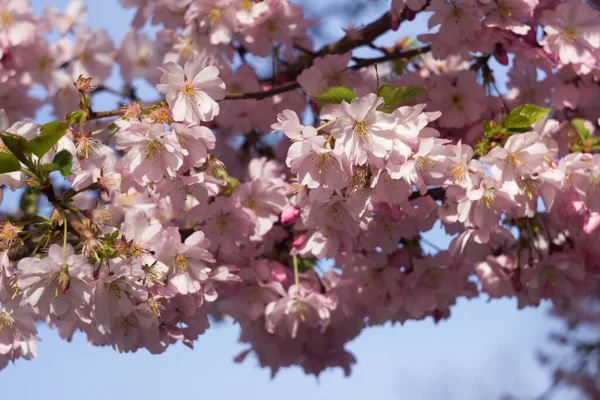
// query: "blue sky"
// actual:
[[483, 351]]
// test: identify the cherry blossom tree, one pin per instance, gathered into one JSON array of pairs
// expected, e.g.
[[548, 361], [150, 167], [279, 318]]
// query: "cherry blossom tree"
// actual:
[[225, 192]]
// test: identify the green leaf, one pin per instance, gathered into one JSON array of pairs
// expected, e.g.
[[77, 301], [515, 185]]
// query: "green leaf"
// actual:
[[64, 159], [517, 130], [76, 117], [9, 163], [18, 146], [396, 95], [581, 130], [524, 116], [305, 265], [487, 128], [335, 95], [49, 167], [29, 201], [49, 136]]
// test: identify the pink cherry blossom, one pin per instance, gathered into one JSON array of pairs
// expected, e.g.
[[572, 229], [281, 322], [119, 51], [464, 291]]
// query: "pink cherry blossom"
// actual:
[[191, 91]]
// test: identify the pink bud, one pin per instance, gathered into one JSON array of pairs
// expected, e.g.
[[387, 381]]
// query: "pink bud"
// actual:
[[501, 55], [530, 37], [64, 281], [290, 215], [409, 14], [515, 279], [300, 241]]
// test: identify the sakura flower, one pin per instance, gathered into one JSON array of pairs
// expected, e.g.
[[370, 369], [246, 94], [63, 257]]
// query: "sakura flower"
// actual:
[[572, 31], [93, 54], [17, 324], [458, 20], [42, 281], [520, 155], [249, 10], [17, 22], [138, 57], [462, 169], [509, 14], [199, 186], [316, 164], [195, 141], [285, 316], [362, 131], [560, 275], [75, 13], [460, 98], [427, 166], [152, 153], [225, 223], [116, 291], [188, 262], [265, 199], [218, 17], [191, 91], [326, 72], [483, 203], [289, 123]]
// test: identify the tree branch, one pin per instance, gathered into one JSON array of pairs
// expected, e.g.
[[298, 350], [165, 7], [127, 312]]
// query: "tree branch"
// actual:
[[360, 64]]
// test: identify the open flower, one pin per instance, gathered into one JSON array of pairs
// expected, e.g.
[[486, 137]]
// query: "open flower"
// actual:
[[191, 91]]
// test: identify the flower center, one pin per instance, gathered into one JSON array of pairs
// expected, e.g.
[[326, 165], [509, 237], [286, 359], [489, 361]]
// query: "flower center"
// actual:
[[456, 100], [152, 149], [6, 18], [569, 34], [6, 319], [114, 290], [8, 234], [457, 173], [188, 89], [361, 128], [322, 160], [246, 5], [214, 16], [298, 308], [222, 222], [489, 195], [424, 163], [515, 159], [180, 263], [128, 324]]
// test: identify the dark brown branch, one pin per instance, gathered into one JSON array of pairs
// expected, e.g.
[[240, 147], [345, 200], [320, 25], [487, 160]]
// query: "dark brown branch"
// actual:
[[393, 56], [105, 114], [352, 39], [360, 64], [435, 193], [264, 94]]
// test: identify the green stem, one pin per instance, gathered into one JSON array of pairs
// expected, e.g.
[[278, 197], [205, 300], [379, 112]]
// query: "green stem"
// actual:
[[64, 266], [325, 125], [296, 278]]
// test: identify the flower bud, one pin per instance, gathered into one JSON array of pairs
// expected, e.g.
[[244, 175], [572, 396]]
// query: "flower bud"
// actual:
[[290, 215], [64, 281], [300, 241], [515, 279], [500, 54]]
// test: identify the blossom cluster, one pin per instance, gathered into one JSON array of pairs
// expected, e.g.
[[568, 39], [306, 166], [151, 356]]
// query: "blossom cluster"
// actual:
[[299, 206]]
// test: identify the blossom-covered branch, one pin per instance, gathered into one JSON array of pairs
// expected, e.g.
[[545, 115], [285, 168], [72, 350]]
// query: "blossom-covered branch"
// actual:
[[174, 210]]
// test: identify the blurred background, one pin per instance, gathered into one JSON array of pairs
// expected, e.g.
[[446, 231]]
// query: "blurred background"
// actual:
[[486, 350]]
